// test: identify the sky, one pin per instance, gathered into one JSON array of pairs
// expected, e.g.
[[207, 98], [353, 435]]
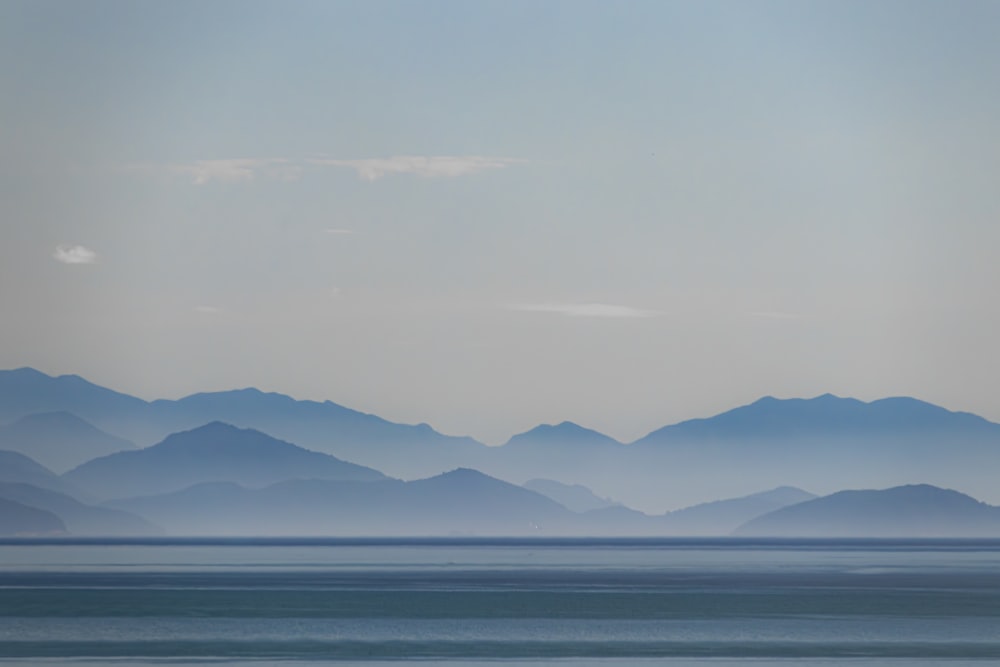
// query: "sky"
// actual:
[[489, 215]]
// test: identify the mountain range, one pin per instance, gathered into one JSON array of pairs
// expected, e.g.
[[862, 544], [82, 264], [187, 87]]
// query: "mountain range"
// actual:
[[396, 449], [250, 451]]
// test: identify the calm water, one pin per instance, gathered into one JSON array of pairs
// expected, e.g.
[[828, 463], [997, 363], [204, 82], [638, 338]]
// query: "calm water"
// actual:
[[520, 602]]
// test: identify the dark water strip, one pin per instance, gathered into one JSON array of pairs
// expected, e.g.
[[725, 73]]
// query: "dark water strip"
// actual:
[[359, 650], [137, 603]]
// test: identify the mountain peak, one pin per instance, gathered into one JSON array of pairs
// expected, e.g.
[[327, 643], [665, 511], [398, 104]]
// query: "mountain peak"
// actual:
[[28, 372], [566, 433], [215, 451], [218, 425], [464, 473]]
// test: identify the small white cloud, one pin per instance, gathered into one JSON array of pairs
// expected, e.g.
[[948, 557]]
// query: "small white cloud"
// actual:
[[586, 310], [74, 254], [339, 232], [435, 166]]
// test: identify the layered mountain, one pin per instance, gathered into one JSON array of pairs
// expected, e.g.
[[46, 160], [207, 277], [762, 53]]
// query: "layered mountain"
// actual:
[[918, 510], [216, 452], [460, 502], [399, 449], [18, 468], [721, 517], [564, 453], [575, 497], [59, 440], [17, 519], [824, 443], [25, 391], [78, 518]]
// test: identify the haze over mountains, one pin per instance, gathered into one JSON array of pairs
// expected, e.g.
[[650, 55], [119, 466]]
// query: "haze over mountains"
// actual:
[[249, 462]]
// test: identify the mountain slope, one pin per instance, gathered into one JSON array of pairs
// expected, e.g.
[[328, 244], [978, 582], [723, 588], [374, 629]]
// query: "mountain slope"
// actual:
[[25, 391], [19, 519], [18, 468], [721, 517], [575, 497], [214, 452], [919, 510], [59, 440], [78, 519], [458, 502]]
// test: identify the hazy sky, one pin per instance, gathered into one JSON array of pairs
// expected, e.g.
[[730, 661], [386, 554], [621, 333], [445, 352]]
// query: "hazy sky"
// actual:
[[486, 215]]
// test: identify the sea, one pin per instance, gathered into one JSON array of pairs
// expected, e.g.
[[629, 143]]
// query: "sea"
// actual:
[[467, 602]]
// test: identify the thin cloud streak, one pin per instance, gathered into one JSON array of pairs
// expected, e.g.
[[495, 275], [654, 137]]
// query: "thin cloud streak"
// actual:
[[440, 166], [339, 232], [586, 310], [74, 254], [236, 170], [244, 170]]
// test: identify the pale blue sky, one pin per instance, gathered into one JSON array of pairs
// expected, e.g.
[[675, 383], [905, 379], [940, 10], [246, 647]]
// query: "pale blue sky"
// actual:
[[486, 215]]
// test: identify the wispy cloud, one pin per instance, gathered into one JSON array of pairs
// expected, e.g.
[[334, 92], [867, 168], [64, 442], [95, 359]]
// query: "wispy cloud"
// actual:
[[774, 315], [586, 310], [236, 170], [436, 166], [74, 254], [339, 232], [207, 310], [242, 170]]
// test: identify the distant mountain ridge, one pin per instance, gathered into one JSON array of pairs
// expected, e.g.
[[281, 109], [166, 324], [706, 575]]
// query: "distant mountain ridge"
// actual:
[[824, 443], [78, 518], [575, 497], [59, 440], [26, 391], [827, 414], [401, 449], [211, 453], [721, 517], [913, 510], [18, 468]]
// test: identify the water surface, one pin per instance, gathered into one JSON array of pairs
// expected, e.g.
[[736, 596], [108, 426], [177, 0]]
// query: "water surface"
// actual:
[[523, 602]]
